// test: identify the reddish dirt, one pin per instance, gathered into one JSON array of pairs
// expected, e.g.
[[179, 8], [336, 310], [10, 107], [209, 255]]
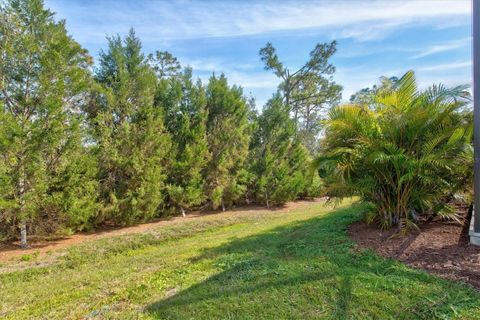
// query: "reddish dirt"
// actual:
[[440, 248], [12, 250]]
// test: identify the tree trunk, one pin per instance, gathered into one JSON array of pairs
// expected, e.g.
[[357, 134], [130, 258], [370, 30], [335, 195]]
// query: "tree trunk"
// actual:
[[307, 120], [21, 194], [287, 92], [183, 212], [296, 120], [23, 235]]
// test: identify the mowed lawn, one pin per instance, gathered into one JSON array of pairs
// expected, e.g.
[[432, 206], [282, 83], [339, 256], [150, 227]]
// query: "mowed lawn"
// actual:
[[251, 264]]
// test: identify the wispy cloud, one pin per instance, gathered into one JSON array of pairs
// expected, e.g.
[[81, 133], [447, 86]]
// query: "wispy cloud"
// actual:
[[254, 81], [214, 65], [376, 37], [363, 76], [246, 75], [362, 20], [446, 66], [443, 47]]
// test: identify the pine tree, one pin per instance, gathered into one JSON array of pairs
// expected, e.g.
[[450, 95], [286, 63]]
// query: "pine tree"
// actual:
[[185, 114], [307, 91], [133, 144], [278, 161], [164, 64], [228, 134], [44, 75]]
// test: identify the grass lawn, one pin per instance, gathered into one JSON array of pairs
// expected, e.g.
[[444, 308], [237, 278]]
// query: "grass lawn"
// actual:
[[296, 264]]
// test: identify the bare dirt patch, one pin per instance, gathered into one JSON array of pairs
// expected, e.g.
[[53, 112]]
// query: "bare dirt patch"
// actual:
[[9, 251], [441, 248]]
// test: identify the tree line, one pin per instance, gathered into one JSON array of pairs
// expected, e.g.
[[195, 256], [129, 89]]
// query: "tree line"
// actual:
[[134, 136]]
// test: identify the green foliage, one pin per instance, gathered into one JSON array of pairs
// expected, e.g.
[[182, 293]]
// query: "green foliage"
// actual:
[[366, 96], [74, 190], [44, 78], [186, 118], [133, 145], [164, 64], [228, 134], [277, 159], [309, 91], [142, 137], [410, 156], [138, 139]]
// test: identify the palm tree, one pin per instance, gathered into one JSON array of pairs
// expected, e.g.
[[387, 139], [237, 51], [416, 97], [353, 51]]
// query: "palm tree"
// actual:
[[409, 153]]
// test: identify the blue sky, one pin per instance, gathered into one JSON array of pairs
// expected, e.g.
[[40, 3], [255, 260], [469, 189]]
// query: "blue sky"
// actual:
[[375, 38]]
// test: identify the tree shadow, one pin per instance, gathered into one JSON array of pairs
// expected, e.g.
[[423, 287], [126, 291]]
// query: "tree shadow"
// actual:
[[305, 270]]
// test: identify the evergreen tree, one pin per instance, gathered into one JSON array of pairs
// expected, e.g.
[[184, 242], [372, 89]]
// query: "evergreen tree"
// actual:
[[307, 91], [133, 145], [228, 134], [185, 114], [45, 172], [278, 161], [164, 64], [366, 96]]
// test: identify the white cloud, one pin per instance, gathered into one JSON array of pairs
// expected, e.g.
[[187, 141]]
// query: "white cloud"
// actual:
[[425, 80], [245, 75], [262, 84], [443, 47], [248, 80], [254, 80], [446, 66], [162, 20], [214, 65], [363, 76]]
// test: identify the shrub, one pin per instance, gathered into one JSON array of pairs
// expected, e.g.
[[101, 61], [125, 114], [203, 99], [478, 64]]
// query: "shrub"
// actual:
[[409, 154]]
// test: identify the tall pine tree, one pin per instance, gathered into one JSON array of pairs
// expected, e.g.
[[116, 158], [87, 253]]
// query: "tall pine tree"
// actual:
[[308, 91], [277, 159], [185, 117], [45, 172], [133, 144], [228, 135]]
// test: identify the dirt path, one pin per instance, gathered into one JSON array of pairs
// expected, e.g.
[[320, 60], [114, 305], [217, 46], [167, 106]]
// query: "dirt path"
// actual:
[[9, 251]]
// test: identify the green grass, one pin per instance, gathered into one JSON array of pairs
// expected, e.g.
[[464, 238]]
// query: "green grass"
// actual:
[[266, 265]]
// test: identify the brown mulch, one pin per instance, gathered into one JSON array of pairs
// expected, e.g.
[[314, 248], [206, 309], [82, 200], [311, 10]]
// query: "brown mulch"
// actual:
[[441, 248]]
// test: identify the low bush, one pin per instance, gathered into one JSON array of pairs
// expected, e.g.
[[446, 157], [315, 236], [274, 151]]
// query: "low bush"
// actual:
[[409, 153]]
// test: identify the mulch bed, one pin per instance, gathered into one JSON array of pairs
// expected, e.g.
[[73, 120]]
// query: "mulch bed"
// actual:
[[440, 248]]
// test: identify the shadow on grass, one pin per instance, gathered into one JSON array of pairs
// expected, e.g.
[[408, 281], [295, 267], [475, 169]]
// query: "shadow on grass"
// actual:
[[311, 269]]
